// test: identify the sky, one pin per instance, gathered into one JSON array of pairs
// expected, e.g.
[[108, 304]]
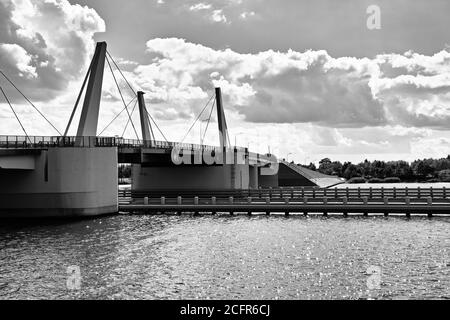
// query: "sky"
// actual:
[[349, 80]]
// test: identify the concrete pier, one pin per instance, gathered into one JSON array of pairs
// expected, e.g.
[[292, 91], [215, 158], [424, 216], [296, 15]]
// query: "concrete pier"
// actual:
[[65, 182]]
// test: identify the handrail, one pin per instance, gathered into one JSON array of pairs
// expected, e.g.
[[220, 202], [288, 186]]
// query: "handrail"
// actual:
[[40, 142]]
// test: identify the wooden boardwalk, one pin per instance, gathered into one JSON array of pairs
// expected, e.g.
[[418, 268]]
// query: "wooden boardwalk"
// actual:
[[405, 201]]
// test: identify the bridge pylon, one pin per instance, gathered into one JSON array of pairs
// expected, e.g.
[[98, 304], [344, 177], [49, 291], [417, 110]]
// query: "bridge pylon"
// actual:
[[223, 129], [147, 132], [87, 126]]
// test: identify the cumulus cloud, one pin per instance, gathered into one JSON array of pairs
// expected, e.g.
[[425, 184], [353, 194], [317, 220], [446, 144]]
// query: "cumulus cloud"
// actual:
[[15, 55], [310, 86], [247, 14], [200, 6], [46, 44], [218, 16]]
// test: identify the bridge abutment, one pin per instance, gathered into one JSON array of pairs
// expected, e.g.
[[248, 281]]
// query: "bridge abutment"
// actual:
[[66, 182]]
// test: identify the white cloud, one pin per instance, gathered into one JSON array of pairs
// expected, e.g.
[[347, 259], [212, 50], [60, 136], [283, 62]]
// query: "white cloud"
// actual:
[[17, 56], [55, 40], [218, 16], [310, 86], [200, 6], [247, 14]]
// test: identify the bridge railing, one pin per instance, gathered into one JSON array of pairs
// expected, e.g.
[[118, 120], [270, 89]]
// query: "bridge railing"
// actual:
[[39, 142]]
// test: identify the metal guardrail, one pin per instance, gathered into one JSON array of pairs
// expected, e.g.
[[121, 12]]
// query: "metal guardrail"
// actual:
[[429, 201], [300, 192]]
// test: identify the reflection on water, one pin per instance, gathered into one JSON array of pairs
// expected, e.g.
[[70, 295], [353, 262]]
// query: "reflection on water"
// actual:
[[183, 257]]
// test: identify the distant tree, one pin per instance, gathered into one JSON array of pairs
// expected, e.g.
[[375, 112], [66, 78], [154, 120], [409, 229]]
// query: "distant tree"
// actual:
[[444, 175], [325, 166], [311, 166], [351, 171]]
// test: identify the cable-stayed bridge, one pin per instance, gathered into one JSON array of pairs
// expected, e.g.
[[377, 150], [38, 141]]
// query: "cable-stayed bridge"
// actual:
[[77, 175]]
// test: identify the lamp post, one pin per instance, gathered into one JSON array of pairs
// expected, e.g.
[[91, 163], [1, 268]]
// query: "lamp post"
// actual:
[[237, 134], [287, 156]]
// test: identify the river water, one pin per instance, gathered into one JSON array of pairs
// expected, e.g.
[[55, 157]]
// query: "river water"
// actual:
[[223, 257]]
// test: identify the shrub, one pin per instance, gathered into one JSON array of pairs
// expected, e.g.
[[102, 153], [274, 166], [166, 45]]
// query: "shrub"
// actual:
[[375, 180], [391, 180], [357, 180]]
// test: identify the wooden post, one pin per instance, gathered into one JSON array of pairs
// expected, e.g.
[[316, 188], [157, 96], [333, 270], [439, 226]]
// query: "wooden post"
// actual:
[[145, 201], [386, 202], [370, 192], [325, 202], [346, 192], [231, 201], [213, 202], [196, 200], [305, 201], [395, 192], [406, 191], [431, 192], [286, 202], [365, 203], [268, 203], [335, 193], [345, 202], [382, 192], [359, 192], [303, 191], [430, 203], [179, 202], [163, 201], [292, 192], [445, 192], [314, 192], [418, 192]]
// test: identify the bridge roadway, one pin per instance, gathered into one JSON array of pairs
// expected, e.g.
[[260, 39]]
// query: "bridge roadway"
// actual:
[[129, 150]]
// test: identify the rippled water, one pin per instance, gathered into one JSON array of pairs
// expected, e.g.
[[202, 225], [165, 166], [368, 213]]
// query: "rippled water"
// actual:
[[184, 257]]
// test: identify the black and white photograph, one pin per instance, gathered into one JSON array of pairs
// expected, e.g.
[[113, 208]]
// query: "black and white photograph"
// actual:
[[240, 152]]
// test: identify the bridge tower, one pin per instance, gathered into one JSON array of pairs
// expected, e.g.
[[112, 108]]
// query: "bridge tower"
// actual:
[[147, 132], [223, 129], [87, 126]]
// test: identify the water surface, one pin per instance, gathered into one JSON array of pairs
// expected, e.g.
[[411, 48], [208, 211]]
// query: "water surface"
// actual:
[[222, 257]]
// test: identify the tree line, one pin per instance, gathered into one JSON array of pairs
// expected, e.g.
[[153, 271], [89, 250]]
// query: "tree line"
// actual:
[[430, 170]]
